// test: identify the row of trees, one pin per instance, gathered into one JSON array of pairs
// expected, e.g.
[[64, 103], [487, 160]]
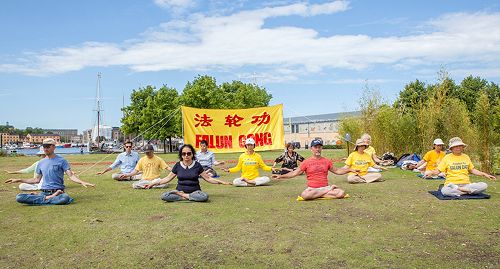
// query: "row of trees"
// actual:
[[155, 114], [423, 112], [12, 130]]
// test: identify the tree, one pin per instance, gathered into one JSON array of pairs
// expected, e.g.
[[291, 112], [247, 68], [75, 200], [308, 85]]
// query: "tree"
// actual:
[[131, 121], [202, 93], [413, 94], [161, 116], [242, 95]]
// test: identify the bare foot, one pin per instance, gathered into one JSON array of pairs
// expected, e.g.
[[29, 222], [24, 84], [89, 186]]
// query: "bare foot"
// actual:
[[58, 192]]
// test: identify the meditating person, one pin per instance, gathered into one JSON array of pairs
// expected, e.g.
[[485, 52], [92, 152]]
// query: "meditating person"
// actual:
[[316, 168], [249, 163], [290, 159], [188, 172], [360, 161], [371, 151], [207, 159], [431, 160], [32, 168], [456, 166], [52, 169], [151, 167], [127, 161]]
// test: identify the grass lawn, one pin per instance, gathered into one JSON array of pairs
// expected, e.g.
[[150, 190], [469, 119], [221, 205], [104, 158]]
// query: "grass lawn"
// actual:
[[392, 224]]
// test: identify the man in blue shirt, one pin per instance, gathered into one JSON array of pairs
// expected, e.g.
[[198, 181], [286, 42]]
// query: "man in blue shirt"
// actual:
[[52, 169], [127, 161], [207, 159]]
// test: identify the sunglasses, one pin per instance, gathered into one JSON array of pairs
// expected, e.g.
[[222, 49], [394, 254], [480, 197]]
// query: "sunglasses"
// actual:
[[186, 154], [46, 146], [128, 146]]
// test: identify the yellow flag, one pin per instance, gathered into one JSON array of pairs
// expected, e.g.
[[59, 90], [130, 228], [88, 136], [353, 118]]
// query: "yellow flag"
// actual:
[[226, 130]]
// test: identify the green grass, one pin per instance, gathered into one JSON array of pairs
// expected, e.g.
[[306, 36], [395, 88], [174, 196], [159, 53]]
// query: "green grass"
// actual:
[[393, 224]]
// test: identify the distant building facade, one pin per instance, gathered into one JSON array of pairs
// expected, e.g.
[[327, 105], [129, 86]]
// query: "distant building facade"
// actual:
[[304, 128], [65, 134], [38, 138], [9, 138]]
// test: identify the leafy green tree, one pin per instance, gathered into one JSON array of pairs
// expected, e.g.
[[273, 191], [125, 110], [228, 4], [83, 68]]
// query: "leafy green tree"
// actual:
[[413, 94], [202, 93], [243, 95], [132, 114]]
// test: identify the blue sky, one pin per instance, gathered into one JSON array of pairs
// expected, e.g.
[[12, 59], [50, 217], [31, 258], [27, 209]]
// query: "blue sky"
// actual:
[[315, 57]]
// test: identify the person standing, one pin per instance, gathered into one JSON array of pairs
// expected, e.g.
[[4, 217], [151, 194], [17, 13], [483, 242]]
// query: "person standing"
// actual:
[[127, 161], [249, 163], [151, 167], [457, 166], [52, 169], [316, 168], [188, 172]]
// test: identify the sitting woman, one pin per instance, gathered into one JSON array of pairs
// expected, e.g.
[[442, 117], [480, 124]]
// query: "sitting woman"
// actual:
[[290, 159], [188, 172], [456, 166], [431, 160], [360, 161]]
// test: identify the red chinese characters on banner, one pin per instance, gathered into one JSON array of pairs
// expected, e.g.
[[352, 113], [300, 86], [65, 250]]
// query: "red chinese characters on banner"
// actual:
[[203, 120], [233, 120], [262, 119]]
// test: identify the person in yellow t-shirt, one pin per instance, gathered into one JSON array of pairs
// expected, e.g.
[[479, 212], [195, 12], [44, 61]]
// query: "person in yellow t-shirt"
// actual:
[[457, 167], [151, 167], [361, 161], [371, 151], [432, 159], [249, 163]]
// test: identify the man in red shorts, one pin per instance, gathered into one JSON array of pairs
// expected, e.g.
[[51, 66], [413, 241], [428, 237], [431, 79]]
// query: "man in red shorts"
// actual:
[[316, 168]]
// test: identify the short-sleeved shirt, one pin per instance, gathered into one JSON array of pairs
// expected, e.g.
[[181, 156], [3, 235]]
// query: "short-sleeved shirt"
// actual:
[[456, 168], [359, 162], [289, 162], [127, 162], [370, 150], [30, 169], [206, 159], [188, 176], [52, 171], [249, 165], [433, 159], [151, 168], [316, 171]]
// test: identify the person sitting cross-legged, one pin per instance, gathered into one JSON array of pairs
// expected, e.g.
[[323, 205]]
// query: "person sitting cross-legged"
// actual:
[[457, 167], [188, 171], [52, 169], [249, 163], [32, 168], [360, 161], [127, 161], [316, 168], [150, 166], [207, 159], [431, 160]]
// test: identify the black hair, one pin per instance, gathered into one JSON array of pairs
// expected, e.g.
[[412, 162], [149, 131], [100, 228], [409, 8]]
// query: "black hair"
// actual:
[[204, 142], [190, 147]]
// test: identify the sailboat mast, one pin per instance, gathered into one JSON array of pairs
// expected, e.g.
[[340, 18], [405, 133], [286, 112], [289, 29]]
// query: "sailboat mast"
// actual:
[[98, 99]]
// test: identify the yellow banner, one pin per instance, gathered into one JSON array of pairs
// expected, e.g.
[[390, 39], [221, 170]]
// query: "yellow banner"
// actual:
[[226, 130]]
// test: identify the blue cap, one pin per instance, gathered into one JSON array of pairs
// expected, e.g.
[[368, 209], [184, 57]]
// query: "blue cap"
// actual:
[[317, 141]]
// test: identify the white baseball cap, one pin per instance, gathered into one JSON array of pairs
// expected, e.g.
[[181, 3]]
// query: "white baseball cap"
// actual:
[[249, 141]]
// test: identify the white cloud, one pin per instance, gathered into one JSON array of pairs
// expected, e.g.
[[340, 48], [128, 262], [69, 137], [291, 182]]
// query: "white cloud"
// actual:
[[174, 3], [202, 42]]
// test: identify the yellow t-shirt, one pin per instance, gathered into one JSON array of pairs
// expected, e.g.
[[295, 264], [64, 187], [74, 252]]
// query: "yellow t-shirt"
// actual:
[[433, 159], [360, 162], [151, 168], [370, 150], [249, 165], [456, 168]]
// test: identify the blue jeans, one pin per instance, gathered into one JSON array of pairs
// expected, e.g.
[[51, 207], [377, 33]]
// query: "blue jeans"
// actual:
[[39, 199]]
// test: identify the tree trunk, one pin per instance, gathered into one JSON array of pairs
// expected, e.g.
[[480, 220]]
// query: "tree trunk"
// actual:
[[170, 143], [165, 145]]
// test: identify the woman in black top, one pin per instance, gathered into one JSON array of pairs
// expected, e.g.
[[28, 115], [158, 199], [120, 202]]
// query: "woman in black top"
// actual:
[[188, 171], [289, 159]]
